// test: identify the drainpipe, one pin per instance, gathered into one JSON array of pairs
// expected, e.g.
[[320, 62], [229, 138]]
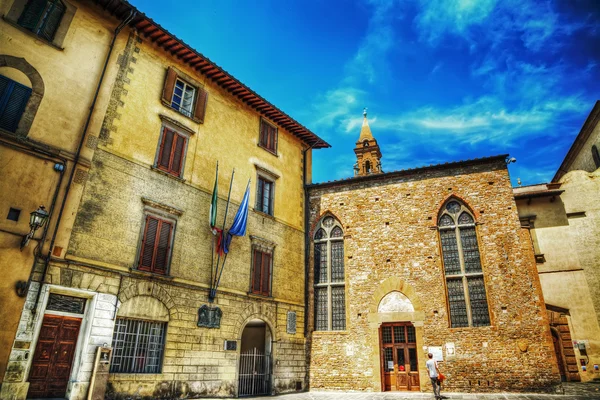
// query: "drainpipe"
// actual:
[[127, 20], [306, 237]]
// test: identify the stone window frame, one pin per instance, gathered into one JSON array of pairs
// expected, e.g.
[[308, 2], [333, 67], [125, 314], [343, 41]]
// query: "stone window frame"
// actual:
[[329, 284], [263, 141], [463, 275], [265, 175], [264, 246], [178, 129], [163, 212], [199, 102], [35, 98], [60, 34]]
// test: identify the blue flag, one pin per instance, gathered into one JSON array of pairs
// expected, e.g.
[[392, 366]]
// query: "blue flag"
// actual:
[[238, 228]]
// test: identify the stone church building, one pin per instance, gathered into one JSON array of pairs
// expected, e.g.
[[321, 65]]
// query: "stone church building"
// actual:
[[431, 259]]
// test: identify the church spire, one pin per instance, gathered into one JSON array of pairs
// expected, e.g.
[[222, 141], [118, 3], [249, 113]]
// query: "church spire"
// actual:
[[368, 154]]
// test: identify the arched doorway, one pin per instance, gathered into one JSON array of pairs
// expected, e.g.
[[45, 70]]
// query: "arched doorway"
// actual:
[[398, 346], [255, 359]]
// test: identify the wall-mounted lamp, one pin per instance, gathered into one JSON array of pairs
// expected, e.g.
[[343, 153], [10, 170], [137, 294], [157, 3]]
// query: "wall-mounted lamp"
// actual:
[[37, 219], [510, 160]]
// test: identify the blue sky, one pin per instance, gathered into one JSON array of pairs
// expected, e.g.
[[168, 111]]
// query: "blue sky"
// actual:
[[442, 80]]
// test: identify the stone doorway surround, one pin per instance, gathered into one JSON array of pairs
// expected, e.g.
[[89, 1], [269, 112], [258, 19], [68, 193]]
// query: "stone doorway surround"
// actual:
[[96, 329], [379, 315]]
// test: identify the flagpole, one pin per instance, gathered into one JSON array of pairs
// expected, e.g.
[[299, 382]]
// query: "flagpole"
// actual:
[[212, 248], [213, 291], [225, 258]]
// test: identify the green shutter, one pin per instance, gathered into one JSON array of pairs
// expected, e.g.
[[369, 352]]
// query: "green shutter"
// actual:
[[32, 14], [52, 21]]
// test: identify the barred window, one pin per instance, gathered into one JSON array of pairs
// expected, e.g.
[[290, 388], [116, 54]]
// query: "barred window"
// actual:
[[329, 284], [467, 298], [138, 346]]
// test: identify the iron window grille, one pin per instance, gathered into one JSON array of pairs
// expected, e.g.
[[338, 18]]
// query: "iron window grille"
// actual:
[[13, 99], [64, 303], [183, 97], [268, 136], [329, 276], [138, 346], [465, 285], [42, 17]]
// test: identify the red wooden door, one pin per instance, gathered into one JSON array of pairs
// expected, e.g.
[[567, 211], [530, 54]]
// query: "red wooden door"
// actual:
[[53, 356]]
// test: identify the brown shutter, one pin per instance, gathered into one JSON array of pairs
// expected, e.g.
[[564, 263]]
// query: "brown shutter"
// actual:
[[166, 149], [167, 93], [163, 247], [178, 155], [200, 109], [147, 251], [266, 278], [256, 271]]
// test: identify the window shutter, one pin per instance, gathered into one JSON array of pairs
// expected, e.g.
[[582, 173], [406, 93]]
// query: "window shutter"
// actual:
[[178, 154], [166, 148], [200, 109], [256, 271], [169, 86], [52, 22], [266, 263], [164, 245], [148, 244], [30, 17], [13, 99]]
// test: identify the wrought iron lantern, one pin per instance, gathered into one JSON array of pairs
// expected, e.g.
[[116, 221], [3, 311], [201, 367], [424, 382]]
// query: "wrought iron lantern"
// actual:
[[37, 219]]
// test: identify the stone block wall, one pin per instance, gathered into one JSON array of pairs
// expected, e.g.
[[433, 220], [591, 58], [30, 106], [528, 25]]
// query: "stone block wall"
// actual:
[[391, 243]]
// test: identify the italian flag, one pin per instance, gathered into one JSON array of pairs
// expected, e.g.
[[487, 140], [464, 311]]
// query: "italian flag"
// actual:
[[212, 216]]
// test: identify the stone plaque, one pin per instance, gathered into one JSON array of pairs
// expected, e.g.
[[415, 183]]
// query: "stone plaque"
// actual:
[[209, 317], [291, 322]]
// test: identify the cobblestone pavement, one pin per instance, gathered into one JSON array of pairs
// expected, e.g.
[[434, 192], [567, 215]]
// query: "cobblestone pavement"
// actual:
[[572, 391]]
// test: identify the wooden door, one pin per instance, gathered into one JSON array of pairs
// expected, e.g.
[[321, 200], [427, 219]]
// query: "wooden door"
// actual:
[[399, 361], [53, 356]]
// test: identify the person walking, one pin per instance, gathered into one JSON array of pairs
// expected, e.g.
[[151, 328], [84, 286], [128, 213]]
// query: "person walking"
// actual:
[[432, 367]]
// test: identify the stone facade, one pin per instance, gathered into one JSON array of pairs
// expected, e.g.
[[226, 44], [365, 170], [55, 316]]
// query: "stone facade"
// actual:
[[97, 248], [391, 244]]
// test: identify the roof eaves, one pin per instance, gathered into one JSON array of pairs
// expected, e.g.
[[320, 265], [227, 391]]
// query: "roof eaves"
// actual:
[[586, 130], [411, 171], [179, 49]]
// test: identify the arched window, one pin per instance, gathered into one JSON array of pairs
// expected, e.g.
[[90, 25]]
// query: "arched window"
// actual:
[[368, 167], [596, 156], [462, 267], [329, 284]]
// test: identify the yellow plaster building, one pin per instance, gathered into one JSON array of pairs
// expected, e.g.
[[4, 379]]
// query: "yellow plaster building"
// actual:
[[51, 60], [563, 218], [129, 268]]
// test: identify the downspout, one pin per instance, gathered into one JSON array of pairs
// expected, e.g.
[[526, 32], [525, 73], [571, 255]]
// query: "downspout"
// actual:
[[306, 237], [127, 20]]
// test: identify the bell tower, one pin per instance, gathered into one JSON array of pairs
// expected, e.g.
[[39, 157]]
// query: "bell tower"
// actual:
[[368, 155]]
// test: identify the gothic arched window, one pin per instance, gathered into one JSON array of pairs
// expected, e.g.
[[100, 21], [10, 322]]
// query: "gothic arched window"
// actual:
[[462, 267], [329, 284], [596, 156]]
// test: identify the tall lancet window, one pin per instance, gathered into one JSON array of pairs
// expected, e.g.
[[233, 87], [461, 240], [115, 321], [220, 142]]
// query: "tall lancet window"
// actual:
[[330, 290], [462, 267]]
